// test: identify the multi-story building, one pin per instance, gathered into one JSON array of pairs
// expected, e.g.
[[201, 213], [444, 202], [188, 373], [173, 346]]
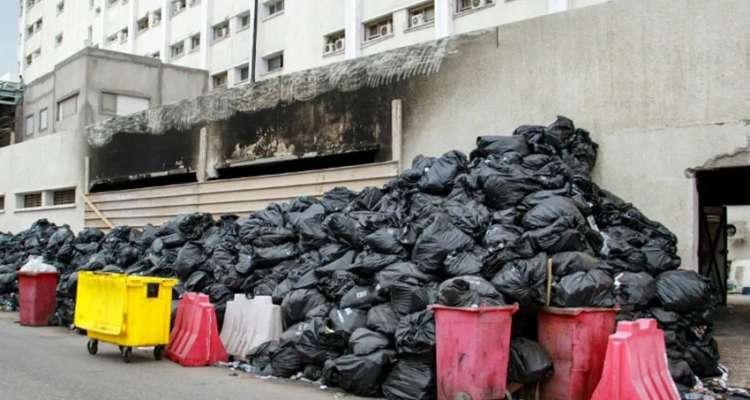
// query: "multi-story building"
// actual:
[[240, 41]]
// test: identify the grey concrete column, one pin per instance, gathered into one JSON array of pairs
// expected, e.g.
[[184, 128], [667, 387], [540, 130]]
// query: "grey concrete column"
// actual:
[[166, 22], [444, 25], [354, 29], [554, 6], [205, 33]]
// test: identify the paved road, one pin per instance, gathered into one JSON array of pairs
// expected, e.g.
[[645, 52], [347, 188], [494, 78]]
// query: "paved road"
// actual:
[[52, 364]]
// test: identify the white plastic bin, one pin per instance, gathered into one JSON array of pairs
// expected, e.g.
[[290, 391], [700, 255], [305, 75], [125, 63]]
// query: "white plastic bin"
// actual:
[[249, 323]]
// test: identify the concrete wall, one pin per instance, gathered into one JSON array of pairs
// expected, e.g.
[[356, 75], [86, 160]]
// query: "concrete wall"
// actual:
[[739, 245], [661, 84], [43, 164]]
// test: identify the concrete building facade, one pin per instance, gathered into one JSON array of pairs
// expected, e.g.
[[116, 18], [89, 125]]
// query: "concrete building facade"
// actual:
[[44, 171], [239, 41]]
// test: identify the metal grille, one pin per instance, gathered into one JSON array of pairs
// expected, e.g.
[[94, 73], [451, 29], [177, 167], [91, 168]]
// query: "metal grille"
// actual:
[[62, 197], [31, 200]]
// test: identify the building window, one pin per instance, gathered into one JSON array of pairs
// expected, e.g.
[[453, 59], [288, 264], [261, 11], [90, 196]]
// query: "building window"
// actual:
[[63, 197], [29, 126], [38, 25], [378, 29], [221, 31], [32, 200], [156, 54], [29, 60], [421, 15], [242, 73], [274, 7], [468, 5], [195, 42], [243, 21], [2, 203], [143, 24], [67, 107], [156, 17], [178, 6], [177, 50], [334, 43], [194, 3], [119, 104], [275, 62], [219, 80], [111, 39], [60, 7], [43, 120], [58, 39]]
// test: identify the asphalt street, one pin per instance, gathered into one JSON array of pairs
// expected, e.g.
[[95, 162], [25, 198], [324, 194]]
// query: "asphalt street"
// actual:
[[52, 364]]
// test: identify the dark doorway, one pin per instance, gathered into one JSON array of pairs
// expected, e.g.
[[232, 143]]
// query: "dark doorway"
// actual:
[[717, 189]]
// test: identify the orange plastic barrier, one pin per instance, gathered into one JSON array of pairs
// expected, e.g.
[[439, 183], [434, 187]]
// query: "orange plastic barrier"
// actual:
[[194, 340], [636, 365]]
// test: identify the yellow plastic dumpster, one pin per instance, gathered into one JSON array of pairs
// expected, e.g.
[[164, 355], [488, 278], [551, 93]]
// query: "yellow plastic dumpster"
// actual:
[[126, 311]]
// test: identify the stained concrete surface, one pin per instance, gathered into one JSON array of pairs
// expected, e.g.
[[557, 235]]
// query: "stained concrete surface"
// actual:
[[53, 364], [733, 335]]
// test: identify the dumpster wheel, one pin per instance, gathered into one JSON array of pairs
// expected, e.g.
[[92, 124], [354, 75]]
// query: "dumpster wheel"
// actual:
[[92, 346], [158, 352], [125, 353]]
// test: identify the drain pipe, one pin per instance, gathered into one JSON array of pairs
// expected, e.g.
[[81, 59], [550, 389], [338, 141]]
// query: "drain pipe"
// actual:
[[255, 42]]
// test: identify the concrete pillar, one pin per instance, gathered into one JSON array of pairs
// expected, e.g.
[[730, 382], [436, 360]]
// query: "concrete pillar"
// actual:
[[250, 41], [558, 5], [354, 29], [444, 26], [205, 33], [102, 25], [166, 23], [132, 25], [200, 171]]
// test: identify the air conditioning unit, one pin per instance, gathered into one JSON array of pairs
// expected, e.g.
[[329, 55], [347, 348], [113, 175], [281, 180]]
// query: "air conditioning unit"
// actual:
[[386, 29], [417, 19], [339, 44], [478, 3], [328, 48]]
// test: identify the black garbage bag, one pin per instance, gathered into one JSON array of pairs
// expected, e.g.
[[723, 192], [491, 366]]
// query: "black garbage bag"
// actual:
[[367, 263], [438, 178], [682, 291], [660, 256], [468, 291], [269, 256], [552, 209], [408, 299], [190, 257], [318, 343], [465, 263], [364, 341], [436, 242], [524, 281], [382, 318], [561, 235], [412, 378], [529, 362], [681, 373], [568, 262], [298, 303], [361, 297], [347, 319], [286, 361], [415, 333], [335, 286], [506, 188], [403, 272], [499, 145], [345, 229], [385, 241], [634, 289], [469, 216], [702, 354], [584, 289], [359, 375], [337, 199], [8, 283]]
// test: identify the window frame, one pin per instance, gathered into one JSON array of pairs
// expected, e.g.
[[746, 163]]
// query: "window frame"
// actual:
[[225, 28], [268, 59], [225, 74], [62, 192], [24, 200], [43, 119], [28, 128], [58, 114], [239, 18], [272, 4]]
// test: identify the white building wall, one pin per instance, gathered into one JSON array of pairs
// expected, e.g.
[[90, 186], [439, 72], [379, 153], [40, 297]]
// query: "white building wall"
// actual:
[[47, 163], [299, 31]]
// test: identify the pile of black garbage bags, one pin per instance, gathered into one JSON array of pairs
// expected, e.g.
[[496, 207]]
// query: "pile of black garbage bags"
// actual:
[[517, 221]]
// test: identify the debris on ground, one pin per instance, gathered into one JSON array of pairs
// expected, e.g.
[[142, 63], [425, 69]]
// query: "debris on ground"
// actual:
[[517, 221]]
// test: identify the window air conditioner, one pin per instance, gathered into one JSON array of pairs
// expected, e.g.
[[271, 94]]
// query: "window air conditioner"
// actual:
[[417, 19], [328, 48], [477, 3], [339, 44], [385, 29]]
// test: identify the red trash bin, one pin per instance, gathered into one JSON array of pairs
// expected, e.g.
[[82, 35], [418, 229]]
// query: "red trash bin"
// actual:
[[37, 297], [576, 339], [472, 351]]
